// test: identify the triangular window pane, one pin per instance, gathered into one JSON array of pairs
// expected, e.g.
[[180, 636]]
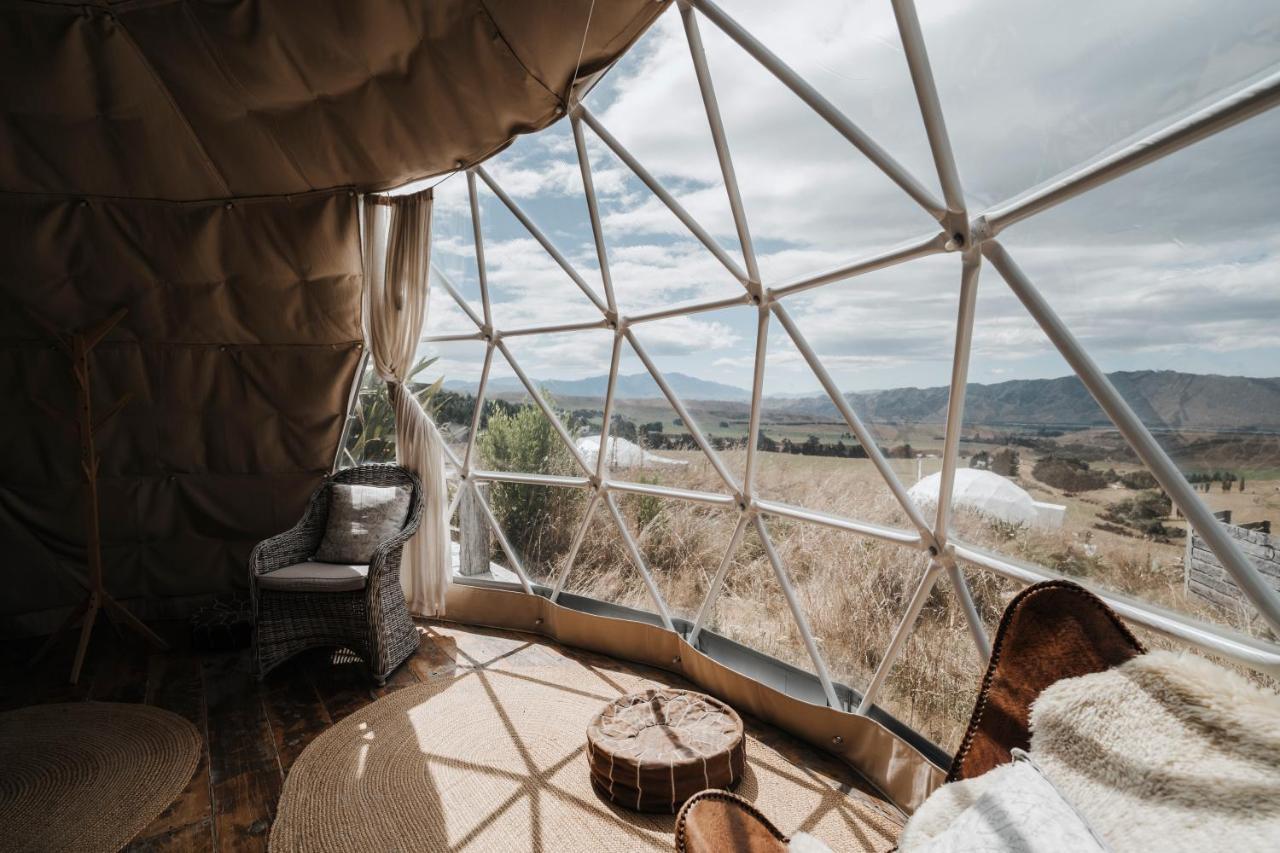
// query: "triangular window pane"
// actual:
[[572, 371], [812, 200], [931, 686], [752, 610], [527, 286], [541, 173], [604, 569], [668, 452], [538, 522], [655, 261], [886, 339], [453, 258], [516, 435], [682, 543], [1042, 93], [1033, 431], [653, 108]]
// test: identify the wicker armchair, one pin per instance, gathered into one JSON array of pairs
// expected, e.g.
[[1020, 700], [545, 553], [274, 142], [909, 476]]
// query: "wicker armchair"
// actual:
[[371, 620]]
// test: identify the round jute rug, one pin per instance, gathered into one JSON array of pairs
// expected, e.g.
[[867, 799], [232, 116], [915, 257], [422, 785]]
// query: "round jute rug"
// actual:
[[88, 776], [495, 760]]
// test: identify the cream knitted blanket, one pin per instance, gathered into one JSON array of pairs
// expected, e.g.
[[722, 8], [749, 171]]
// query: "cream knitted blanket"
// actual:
[[1166, 752]]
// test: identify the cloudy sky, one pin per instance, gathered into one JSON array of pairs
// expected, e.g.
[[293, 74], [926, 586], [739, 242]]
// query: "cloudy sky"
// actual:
[[1175, 266]]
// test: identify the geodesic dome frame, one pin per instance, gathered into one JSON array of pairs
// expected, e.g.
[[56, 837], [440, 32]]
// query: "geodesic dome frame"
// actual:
[[973, 238]]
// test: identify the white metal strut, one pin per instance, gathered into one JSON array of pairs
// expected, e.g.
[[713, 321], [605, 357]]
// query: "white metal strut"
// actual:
[[970, 240]]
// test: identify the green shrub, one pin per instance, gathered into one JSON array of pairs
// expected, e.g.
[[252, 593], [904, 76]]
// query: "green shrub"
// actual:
[[1068, 474], [1077, 563], [1005, 463], [1144, 512], [645, 507], [539, 520], [372, 438], [623, 428], [1002, 529], [1138, 480]]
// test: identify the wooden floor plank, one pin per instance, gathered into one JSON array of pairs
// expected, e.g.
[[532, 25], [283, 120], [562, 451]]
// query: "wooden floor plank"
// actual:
[[294, 710], [401, 678], [123, 676], [174, 683], [342, 681], [194, 836], [48, 681], [244, 770]]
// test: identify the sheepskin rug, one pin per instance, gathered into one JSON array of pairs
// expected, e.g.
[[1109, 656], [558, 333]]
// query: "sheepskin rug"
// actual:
[[1167, 751]]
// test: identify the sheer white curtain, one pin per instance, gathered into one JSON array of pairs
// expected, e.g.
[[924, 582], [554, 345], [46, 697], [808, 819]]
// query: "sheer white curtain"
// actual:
[[397, 261]]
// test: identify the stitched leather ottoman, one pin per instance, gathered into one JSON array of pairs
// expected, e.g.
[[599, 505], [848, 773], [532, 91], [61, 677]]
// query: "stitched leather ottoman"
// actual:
[[651, 751]]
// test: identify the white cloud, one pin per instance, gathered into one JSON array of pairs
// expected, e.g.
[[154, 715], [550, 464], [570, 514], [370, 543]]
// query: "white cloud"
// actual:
[[686, 336], [1173, 266]]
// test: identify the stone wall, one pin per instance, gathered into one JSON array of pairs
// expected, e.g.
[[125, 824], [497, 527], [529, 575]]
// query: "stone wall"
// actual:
[[1208, 580]]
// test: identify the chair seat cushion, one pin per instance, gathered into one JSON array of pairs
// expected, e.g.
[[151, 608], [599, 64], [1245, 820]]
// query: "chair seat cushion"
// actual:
[[315, 576], [360, 519]]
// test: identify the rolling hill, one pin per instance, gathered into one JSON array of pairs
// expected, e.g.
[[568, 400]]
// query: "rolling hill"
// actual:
[[1162, 398]]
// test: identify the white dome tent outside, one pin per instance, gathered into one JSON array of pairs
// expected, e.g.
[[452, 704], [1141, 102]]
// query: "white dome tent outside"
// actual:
[[970, 237], [622, 453], [990, 494]]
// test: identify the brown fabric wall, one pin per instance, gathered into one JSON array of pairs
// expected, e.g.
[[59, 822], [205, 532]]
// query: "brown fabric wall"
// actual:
[[214, 98], [240, 346], [243, 327]]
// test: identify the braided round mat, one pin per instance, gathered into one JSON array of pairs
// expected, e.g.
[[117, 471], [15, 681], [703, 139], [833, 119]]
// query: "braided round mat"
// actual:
[[89, 776], [495, 759]]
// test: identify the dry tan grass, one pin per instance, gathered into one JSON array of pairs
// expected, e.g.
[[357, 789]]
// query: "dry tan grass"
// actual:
[[852, 589]]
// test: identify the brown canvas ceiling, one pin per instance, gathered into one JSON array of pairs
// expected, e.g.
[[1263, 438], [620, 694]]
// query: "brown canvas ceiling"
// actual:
[[193, 162], [203, 99]]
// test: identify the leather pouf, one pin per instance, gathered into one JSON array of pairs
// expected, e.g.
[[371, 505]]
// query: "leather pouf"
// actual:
[[651, 751]]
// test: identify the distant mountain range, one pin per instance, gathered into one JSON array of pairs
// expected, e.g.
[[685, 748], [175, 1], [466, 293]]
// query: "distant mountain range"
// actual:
[[1162, 398]]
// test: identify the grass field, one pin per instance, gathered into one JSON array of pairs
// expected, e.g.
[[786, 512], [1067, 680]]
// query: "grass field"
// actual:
[[853, 589]]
